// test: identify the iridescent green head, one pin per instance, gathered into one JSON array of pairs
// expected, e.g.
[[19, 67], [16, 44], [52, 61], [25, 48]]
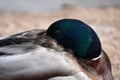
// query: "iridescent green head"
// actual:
[[77, 36]]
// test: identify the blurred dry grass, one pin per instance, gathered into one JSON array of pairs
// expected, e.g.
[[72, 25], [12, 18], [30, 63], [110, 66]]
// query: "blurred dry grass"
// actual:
[[105, 21]]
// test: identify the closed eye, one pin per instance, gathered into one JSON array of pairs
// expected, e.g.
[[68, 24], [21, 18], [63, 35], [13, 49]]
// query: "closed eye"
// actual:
[[57, 32]]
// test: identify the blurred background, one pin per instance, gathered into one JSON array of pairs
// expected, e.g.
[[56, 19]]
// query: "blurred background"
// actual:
[[102, 15]]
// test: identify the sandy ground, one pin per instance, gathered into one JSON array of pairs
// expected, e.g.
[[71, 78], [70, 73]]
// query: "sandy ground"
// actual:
[[105, 21]]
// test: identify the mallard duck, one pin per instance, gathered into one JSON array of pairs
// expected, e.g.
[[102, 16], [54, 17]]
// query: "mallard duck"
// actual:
[[68, 50], [31, 55]]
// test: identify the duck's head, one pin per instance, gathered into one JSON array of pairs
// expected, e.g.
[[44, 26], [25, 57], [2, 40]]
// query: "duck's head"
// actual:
[[77, 36]]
